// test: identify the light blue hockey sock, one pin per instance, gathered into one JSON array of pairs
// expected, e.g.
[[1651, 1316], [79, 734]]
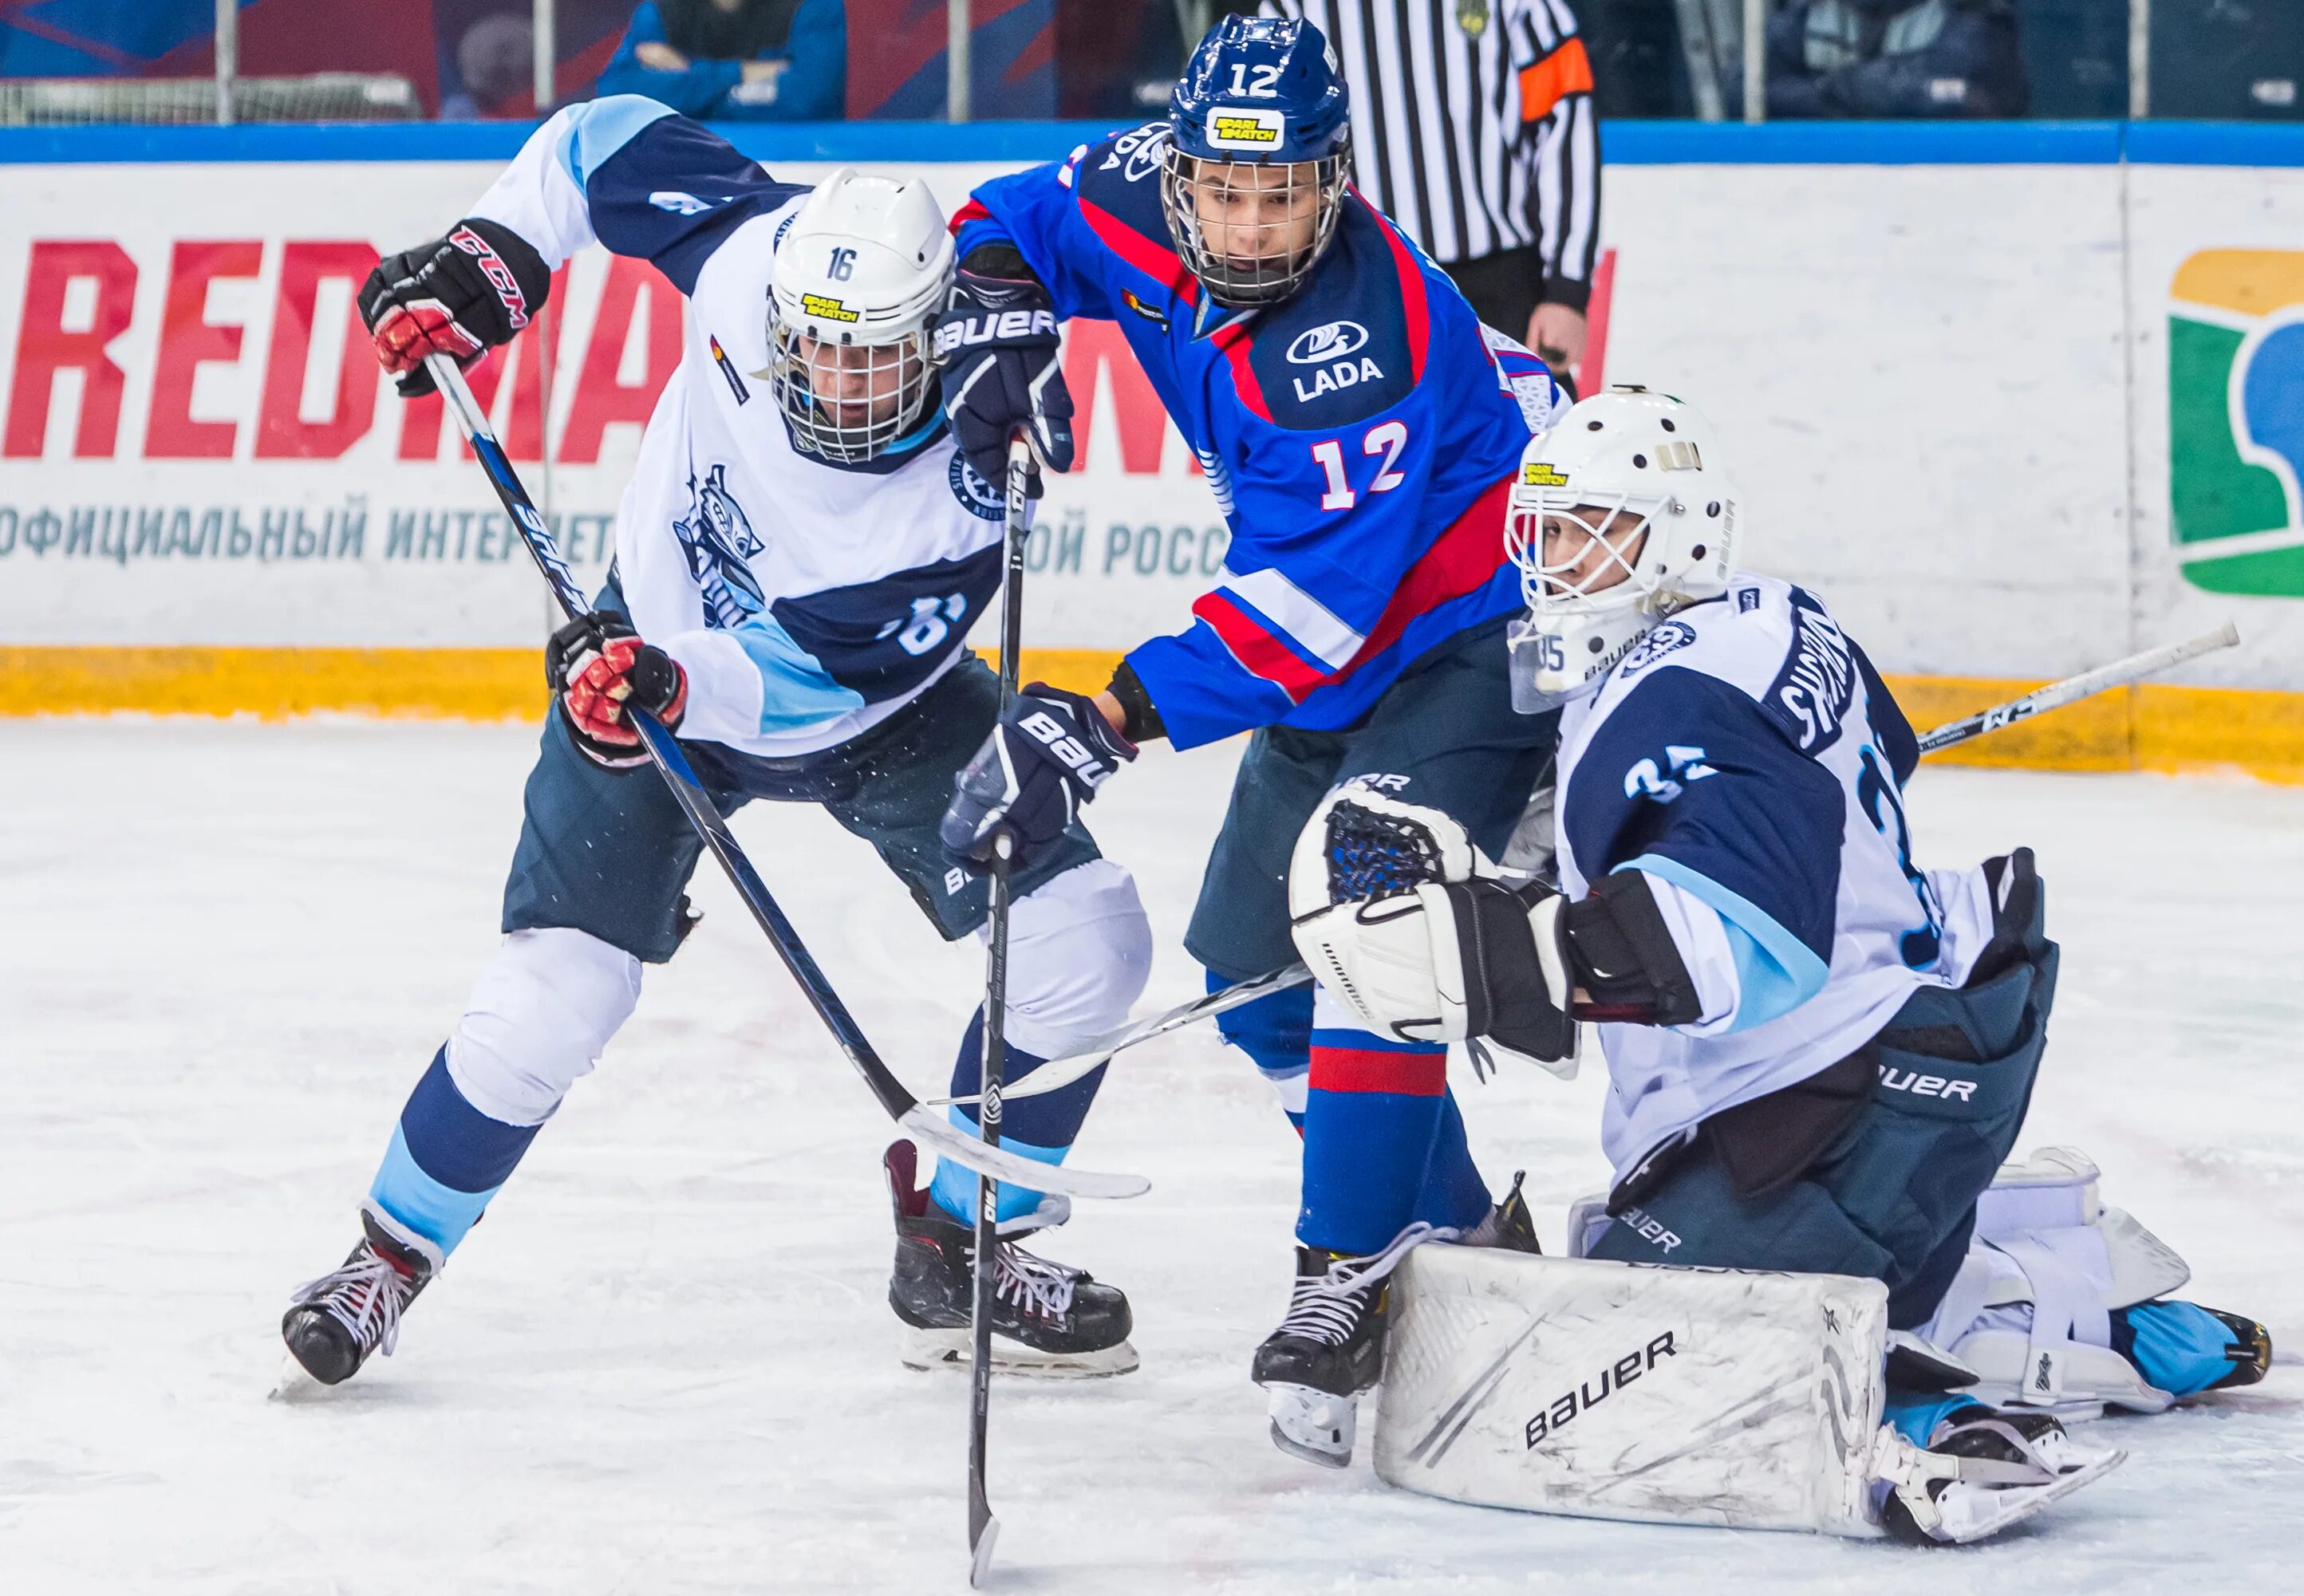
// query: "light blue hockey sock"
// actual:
[[1916, 1417], [445, 1161]]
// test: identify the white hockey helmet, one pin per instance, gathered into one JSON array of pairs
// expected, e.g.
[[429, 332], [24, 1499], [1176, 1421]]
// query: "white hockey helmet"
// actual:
[[1620, 515], [860, 277]]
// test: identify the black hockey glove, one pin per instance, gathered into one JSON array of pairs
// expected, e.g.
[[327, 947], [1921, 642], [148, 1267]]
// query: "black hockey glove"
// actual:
[[458, 296], [1045, 758], [598, 664], [997, 343]]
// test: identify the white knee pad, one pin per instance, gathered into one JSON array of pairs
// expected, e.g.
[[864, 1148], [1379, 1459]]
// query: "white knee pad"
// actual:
[[1079, 951], [540, 1016]]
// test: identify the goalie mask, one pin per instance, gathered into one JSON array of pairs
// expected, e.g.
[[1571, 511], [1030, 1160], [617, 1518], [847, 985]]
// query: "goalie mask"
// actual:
[[1252, 179], [1620, 515], [860, 275]]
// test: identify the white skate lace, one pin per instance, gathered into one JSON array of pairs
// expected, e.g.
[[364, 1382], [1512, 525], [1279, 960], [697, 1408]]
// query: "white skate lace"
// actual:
[[364, 1295], [1326, 1307], [1036, 1284]]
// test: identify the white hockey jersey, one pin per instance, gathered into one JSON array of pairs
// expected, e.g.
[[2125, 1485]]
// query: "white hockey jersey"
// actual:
[[807, 600], [1747, 759]]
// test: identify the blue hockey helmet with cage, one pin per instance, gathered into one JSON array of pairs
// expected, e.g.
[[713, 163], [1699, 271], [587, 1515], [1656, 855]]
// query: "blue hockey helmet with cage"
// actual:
[[1257, 92]]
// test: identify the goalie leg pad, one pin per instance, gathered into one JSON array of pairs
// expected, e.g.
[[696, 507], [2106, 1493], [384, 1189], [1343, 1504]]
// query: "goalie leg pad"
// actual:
[[1571, 1385]]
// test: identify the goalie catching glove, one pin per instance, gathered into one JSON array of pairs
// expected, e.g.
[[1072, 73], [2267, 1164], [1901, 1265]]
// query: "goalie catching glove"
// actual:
[[1460, 954], [597, 665]]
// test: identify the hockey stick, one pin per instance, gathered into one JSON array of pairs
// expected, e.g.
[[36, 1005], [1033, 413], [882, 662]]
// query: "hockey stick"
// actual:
[[2072, 688], [1062, 1072], [921, 1124], [983, 1529]]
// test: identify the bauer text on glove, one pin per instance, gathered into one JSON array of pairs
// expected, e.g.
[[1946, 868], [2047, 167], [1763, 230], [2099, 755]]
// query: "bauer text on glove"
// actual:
[[1045, 758]]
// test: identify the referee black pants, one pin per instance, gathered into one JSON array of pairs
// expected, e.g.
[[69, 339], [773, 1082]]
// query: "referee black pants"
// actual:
[[1504, 289]]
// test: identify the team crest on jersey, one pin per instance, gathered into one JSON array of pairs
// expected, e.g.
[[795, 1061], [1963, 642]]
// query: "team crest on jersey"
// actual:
[[980, 497], [718, 541], [1660, 641], [1811, 697]]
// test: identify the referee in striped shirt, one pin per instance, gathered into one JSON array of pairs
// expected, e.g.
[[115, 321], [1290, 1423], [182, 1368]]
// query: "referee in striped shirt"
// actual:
[[1473, 128]]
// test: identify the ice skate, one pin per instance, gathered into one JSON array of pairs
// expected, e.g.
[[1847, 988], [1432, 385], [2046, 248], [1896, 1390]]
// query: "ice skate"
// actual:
[[1984, 1470], [1329, 1350], [1049, 1319], [1509, 1225], [353, 1311]]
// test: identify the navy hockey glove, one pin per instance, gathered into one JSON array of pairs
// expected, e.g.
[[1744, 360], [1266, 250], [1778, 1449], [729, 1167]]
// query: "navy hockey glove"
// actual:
[[597, 664], [1045, 758], [458, 296], [997, 343]]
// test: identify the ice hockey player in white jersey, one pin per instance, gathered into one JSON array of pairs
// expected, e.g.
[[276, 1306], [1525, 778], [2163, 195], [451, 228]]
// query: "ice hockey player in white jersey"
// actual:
[[804, 550], [1818, 1052]]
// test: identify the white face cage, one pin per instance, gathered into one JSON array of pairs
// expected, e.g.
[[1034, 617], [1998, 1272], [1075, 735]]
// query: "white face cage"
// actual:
[[1592, 564], [849, 401], [1251, 233]]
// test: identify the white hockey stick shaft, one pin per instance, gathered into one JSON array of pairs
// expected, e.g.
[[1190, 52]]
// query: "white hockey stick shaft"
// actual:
[[1058, 1073], [2073, 688]]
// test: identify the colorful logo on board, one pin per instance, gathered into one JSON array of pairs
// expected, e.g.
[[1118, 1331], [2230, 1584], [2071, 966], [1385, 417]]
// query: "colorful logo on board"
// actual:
[[2236, 420]]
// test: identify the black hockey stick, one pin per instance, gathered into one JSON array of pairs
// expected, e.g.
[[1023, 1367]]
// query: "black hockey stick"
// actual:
[[921, 1124], [1058, 1073], [983, 1529]]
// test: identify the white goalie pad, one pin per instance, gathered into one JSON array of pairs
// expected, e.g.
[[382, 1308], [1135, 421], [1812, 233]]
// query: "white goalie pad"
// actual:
[[1618, 1390], [2029, 1310]]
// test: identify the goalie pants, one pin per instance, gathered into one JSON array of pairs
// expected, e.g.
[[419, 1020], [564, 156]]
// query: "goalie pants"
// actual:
[[596, 891], [1383, 1142], [1939, 1097]]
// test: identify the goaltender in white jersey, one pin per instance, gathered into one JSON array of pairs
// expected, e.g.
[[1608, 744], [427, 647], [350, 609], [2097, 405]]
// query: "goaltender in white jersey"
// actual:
[[1819, 1056], [799, 554]]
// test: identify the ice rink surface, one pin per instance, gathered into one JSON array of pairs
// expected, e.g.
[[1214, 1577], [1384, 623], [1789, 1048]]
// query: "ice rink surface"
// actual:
[[664, 1364]]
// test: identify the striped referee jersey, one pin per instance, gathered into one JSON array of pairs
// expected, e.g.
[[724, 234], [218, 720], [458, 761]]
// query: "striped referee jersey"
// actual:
[[1473, 126]]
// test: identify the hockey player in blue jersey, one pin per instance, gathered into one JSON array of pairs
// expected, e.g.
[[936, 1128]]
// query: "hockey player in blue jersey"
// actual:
[[1819, 1052], [803, 550], [1358, 428]]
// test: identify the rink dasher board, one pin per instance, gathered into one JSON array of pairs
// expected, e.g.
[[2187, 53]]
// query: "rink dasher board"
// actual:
[[1946, 384]]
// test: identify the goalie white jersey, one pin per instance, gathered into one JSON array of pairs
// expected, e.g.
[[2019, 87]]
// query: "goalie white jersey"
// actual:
[[807, 600], [1747, 759]]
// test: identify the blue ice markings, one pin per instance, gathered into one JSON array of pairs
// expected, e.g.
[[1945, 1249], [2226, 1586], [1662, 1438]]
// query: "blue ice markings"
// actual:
[[1685, 764], [719, 542]]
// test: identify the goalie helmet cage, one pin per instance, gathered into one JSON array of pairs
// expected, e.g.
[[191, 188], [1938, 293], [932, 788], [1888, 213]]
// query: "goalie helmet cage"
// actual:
[[320, 96]]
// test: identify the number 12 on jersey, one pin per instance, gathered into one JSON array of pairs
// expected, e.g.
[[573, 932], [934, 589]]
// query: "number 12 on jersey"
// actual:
[[1385, 438]]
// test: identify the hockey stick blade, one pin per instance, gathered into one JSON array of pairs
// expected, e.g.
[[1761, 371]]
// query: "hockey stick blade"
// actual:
[[979, 1556], [942, 1138], [1058, 1073], [2071, 690]]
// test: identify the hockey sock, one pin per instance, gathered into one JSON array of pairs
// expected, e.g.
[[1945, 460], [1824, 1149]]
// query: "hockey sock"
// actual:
[[2175, 1345], [1041, 1128], [1916, 1414], [446, 1159], [1276, 1033], [1374, 1113], [1455, 1195]]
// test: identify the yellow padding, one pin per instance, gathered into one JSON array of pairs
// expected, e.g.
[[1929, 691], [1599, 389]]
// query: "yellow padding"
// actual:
[[455, 684], [2152, 727]]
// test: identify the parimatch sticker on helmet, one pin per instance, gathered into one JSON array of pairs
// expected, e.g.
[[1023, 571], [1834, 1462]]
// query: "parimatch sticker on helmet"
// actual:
[[1538, 474], [1246, 129], [825, 306]]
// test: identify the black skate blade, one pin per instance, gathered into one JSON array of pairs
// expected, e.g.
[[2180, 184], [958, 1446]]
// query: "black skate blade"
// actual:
[[980, 1554]]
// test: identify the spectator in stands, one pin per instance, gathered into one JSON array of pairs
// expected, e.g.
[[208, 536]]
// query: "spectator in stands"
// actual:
[[736, 60], [1895, 58]]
